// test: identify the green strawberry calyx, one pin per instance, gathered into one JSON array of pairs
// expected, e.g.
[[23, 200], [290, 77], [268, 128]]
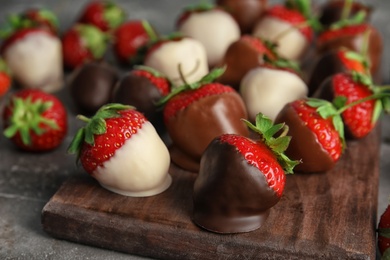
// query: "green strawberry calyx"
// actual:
[[200, 7], [278, 145], [209, 78], [346, 18], [95, 39], [113, 15], [278, 61], [305, 8], [4, 67], [95, 125], [27, 116]]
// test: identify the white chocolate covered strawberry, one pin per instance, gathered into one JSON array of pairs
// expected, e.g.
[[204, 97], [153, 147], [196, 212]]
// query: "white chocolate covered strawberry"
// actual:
[[121, 149]]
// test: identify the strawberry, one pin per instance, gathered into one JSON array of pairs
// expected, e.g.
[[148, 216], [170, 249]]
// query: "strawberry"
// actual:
[[196, 113], [201, 21], [290, 26], [336, 61], [121, 149], [34, 120], [105, 15], [234, 166], [5, 79], [83, 43], [40, 18], [181, 59], [142, 88], [357, 91], [384, 234], [317, 133], [131, 40], [245, 12]]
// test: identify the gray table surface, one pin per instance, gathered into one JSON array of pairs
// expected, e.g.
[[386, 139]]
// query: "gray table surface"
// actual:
[[28, 181]]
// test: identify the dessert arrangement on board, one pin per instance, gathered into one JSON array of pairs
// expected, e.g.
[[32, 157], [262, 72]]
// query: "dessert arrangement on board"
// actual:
[[240, 93]]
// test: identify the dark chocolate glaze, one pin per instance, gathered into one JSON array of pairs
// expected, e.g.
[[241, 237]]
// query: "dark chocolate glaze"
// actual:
[[141, 93], [230, 195], [239, 58], [304, 144], [245, 12], [355, 43], [193, 128], [331, 11], [91, 86]]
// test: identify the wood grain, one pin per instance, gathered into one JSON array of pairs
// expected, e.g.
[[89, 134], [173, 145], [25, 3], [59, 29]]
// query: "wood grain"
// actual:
[[329, 215]]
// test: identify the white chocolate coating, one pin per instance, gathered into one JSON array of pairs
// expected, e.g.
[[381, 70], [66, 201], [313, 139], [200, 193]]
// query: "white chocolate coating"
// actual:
[[36, 61], [188, 52], [291, 45], [139, 168], [215, 29], [269, 90]]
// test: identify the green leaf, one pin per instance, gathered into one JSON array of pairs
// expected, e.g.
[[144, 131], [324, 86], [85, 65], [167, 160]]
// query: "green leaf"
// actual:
[[384, 232], [280, 144], [386, 254], [77, 141], [378, 108], [96, 40], [113, 15], [340, 101]]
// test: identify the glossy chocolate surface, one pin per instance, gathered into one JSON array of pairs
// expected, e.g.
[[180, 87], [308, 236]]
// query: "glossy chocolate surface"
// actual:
[[91, 86], [230, 195], [245, 12], [193, 128], [304, 144]]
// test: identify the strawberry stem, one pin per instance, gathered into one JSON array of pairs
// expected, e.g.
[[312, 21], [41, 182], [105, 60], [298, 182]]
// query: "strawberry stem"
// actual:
[[346, 9], [149, 30]]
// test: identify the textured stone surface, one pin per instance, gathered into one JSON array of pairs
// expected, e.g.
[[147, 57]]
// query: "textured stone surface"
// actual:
[[27, 181]]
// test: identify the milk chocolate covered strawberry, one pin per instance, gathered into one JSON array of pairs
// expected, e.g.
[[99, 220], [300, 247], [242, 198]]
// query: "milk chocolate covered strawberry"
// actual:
[[121, 149], [240, 179], [194, 114]]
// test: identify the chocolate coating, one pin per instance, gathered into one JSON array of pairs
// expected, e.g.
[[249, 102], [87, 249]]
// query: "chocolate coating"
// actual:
[[304, 144], [230, 195], [331, 11], [239, 58], [91, 86], [141, 93], [193, 128], [356, 43], [245, 12]]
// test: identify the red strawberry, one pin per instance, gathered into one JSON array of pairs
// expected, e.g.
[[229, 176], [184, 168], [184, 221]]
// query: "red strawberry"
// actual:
[[317, 134], [5, 79], [361, 118], [194, 114], [384, 234], [121, 149], [105, 15], [35, 120], [131, 39], [83, 43], [234, 166]]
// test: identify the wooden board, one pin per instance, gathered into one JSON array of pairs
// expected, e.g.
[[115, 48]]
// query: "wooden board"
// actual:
[[329, 215]]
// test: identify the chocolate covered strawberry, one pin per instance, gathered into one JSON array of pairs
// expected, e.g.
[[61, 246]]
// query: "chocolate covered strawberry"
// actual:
[[215, 28], [178, 58], [121, 149], [360, 118], [384, 234], [245, 12], [34, 56], [267, 88], [196, 113], [83, 43], [131, 40], [142, 88], [317, 133], [246, 53], [106, 15], [240, 179], [5, 78], [336, 61], [358, 37], [290, 26], [34, 120]]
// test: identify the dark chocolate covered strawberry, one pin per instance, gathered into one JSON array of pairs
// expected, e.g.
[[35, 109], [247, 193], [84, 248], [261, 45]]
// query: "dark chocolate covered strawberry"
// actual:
[[121, 149], [240, 179], [142, 88], [245, 12], [317, 133], [194, 114]]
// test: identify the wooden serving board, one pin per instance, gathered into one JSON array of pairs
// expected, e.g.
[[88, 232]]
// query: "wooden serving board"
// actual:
[[328, 215]]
